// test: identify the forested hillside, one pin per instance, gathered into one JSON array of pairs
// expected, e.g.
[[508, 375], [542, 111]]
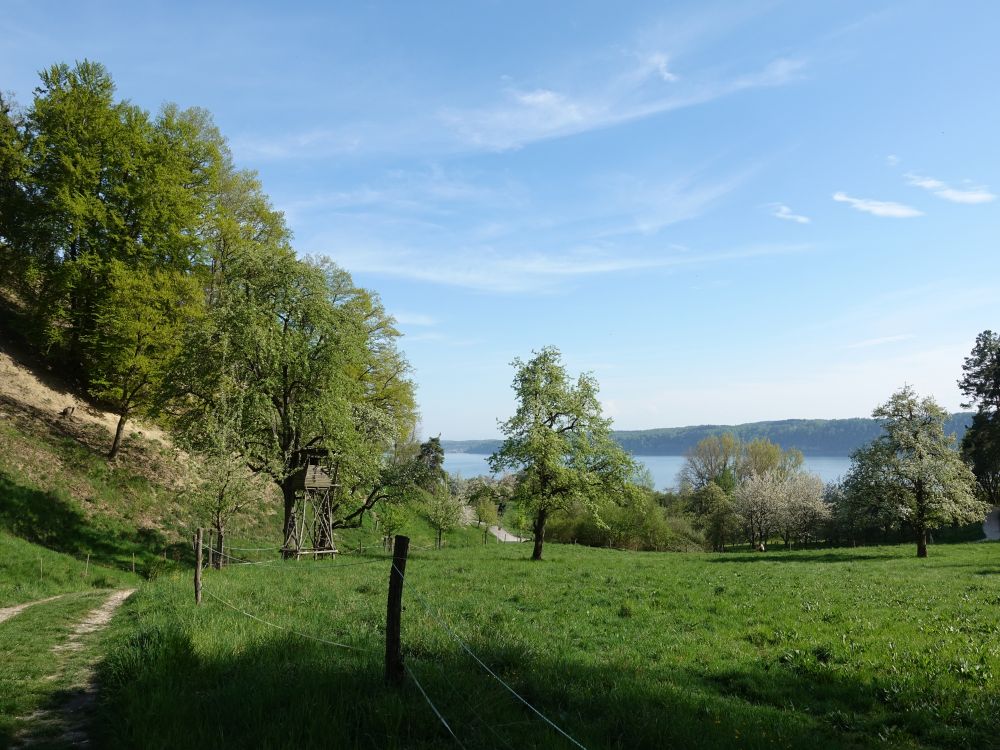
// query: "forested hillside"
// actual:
[[814, 437]]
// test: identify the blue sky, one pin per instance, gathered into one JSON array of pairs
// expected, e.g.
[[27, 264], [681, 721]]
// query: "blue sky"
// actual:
[[728, 212]]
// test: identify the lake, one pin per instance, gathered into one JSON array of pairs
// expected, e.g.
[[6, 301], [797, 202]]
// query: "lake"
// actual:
[[663, 468]]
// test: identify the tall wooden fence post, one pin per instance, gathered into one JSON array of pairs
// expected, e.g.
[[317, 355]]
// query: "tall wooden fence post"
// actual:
[[393, 647], [197, 566]]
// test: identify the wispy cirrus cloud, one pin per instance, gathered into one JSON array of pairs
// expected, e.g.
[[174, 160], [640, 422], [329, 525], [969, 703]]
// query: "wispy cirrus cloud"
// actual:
[[884, 209], [432, 191], [311, 144], [781, 211], [528, 115], [651, 205], [486, 269], [969, 195], [880, 341]]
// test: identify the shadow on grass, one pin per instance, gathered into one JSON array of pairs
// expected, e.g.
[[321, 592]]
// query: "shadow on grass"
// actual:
[[281, 691], [856, 555], [54, 522]]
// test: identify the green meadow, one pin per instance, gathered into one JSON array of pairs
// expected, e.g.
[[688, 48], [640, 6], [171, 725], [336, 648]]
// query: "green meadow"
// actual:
[[829, 648]]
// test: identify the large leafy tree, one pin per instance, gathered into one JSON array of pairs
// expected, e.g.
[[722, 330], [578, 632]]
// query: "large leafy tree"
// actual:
[[316, 357], [981, 385], [13, 171], [95, 189], [713, 459], [912, 472], [559, 443], [138, 329]]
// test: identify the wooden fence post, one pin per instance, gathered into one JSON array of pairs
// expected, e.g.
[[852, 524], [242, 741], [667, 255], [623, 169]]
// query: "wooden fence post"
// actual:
[[393, 648], [197, 566]]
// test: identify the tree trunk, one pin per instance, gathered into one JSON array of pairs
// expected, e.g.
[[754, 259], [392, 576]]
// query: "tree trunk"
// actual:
[[119, 431], [439, 539], [921, 542], [539, 528], [220, 535], [291, 544]]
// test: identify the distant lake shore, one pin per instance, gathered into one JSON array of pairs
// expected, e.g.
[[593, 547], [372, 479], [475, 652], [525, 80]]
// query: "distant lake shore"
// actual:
[[663, 468]]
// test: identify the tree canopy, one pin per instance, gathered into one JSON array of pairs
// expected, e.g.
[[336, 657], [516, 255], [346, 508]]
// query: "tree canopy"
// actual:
[[559, 443], [912, 472], [162, 278], [981, 385]]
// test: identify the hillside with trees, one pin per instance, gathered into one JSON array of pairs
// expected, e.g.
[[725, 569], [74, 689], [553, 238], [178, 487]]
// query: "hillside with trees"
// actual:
[[812, 437]]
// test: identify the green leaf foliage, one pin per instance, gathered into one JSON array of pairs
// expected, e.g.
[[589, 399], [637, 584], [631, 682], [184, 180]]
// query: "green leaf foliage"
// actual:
[[559, 443], [912, 473]]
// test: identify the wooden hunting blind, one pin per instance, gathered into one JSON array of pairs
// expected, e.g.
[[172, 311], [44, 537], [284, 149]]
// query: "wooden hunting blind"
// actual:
[[311, 530]]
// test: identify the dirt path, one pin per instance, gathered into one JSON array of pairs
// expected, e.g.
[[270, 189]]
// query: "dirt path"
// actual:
[[7, 612], [94, 621], [503, 535], [65, 725]]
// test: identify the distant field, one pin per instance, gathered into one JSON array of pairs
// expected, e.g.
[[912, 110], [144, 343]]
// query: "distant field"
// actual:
[[831, 648]]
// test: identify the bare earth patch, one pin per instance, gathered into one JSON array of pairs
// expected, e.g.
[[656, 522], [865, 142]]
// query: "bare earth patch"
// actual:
[[95, 620], [21, 384], [503, 535]]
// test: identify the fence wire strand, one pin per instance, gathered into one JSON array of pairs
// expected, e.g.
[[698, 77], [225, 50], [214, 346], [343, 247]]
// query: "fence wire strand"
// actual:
[[287, 629], [494, 675], [437, 713], [427, 608]]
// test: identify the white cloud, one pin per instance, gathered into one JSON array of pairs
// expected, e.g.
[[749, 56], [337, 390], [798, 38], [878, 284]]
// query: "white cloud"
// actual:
[[651, 206], [969, 195], [431, 191], [868, 343], [527, 116], [885, 209], [308, 144], [892, 160], [659, 63], [781, 211], [484, 269]]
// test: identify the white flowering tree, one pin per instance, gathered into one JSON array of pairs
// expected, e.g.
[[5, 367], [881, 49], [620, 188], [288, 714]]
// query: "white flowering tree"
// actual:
[[912, 472]]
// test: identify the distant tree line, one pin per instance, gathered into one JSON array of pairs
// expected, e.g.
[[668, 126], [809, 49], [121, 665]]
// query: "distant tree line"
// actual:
[[138, 261], [812, 437], [569, 479], [906, 483]]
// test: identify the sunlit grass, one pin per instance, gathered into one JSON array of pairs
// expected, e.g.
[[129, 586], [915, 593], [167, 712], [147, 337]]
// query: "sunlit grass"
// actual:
[[830, 648]]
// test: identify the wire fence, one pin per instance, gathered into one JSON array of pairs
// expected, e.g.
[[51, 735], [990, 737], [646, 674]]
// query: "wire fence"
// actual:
[[465, 647], [434, 616]]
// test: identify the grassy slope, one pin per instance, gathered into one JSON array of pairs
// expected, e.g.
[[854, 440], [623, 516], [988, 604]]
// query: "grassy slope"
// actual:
[[29, 572], [832, 648], [58, 491]]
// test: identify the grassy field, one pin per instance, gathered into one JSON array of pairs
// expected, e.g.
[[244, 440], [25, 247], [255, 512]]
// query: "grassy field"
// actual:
[[29, 572], [829, 648]]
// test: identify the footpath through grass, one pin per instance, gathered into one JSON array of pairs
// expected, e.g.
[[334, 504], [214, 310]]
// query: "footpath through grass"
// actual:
[[35, 672], [824, 649]]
